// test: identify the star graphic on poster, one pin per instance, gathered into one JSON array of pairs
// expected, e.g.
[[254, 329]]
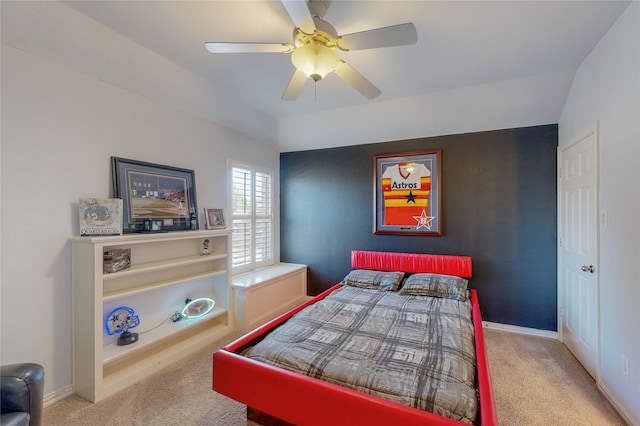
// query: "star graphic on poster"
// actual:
[[424, 221], [411, 198]]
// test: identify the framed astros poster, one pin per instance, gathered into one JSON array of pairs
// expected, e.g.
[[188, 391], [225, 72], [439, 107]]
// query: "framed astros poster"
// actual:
[[407, 193]]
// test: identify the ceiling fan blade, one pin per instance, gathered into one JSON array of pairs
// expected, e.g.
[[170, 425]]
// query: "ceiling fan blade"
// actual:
[[356, 80], [396, 35], [224, 47], [300, 15], [295, 86]]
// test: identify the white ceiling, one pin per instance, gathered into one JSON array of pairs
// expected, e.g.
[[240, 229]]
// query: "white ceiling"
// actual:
[[477, 65]]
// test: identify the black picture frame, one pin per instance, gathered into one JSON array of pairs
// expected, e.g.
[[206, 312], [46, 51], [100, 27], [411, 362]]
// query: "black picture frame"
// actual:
[[407, 193], [154, 191]]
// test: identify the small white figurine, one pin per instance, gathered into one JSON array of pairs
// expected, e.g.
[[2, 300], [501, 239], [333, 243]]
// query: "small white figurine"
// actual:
[[205, 247]]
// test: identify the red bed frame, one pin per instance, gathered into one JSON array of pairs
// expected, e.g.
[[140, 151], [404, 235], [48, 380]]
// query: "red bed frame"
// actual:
[[301, 400]]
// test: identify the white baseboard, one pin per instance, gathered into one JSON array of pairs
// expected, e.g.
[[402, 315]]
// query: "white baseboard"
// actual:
[[521, 330], [619, 407], [59, 395]]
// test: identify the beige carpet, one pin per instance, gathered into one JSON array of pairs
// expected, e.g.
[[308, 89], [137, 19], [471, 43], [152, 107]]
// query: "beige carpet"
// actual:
[[536, 382], [178, 395]]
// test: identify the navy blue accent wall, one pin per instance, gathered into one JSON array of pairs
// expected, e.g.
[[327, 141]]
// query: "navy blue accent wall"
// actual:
[[499, 206]]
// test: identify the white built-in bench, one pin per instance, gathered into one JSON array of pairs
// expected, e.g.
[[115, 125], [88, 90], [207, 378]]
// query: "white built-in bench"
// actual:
[[260, 296]]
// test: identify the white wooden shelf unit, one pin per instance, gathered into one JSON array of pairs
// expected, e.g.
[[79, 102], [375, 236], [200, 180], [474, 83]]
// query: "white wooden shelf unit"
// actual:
[[166, 269]]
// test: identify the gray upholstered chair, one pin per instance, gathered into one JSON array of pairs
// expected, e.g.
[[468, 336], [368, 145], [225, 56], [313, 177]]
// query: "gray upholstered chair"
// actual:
[[22, 392]]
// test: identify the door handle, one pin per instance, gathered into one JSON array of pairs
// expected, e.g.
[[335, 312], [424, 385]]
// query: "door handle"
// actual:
[[589, 268]]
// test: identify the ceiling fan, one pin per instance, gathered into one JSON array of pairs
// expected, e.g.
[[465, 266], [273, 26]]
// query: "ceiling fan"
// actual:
[[315, 47]]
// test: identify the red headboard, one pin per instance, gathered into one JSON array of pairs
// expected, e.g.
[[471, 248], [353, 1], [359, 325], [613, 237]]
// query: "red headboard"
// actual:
[[410, 262]]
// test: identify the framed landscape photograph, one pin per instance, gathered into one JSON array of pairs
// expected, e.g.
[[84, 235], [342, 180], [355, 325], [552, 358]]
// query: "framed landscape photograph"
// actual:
[[407, 196], [153, 191], [214, 218]]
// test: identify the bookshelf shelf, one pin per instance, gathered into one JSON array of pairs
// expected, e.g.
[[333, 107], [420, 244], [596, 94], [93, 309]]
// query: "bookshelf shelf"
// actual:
[[164, 268]]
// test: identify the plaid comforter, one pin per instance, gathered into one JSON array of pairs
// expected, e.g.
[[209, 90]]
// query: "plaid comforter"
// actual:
[[414, 350]]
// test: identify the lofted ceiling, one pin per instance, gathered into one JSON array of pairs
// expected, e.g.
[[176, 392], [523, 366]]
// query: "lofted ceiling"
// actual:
[[477, 65]]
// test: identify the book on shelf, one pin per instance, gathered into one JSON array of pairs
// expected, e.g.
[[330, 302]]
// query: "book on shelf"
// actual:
[[100, 216], [117, 259]]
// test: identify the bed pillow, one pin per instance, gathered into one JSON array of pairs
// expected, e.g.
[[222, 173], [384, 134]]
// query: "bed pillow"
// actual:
[[363, 278], [436, 285]]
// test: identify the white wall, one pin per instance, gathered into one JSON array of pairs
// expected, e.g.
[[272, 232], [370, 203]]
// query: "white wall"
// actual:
[[606, 89], [59, 129]]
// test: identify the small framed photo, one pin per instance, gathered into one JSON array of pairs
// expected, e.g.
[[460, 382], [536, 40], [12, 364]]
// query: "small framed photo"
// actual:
[[214, 218]]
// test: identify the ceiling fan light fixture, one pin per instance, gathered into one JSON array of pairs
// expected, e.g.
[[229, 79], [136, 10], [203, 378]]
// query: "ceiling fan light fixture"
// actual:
[[315, 60]]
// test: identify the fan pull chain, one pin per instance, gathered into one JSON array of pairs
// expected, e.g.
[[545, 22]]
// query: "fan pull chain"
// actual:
[[315, 91]]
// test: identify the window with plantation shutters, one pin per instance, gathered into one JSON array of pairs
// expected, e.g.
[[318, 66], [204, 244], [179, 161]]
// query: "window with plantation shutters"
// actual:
[[251, 217]]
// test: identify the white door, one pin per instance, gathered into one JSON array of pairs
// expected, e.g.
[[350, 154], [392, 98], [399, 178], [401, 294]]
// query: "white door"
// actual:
[[578, 266]]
